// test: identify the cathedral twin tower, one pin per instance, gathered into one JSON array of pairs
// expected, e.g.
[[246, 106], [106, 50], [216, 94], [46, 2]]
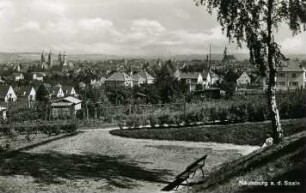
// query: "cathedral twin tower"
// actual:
[[49, 62]]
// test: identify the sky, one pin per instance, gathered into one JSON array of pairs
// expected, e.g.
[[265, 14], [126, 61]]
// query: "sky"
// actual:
[[119, 27]]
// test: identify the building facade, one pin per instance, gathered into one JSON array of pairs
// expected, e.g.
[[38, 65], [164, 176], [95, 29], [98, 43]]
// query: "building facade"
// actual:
[[290, 76]]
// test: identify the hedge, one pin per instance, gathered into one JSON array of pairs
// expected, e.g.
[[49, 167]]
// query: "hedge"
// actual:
[[291, 106], [45, 127]]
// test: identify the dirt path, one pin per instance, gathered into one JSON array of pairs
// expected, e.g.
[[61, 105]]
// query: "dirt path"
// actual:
[[96, 161]]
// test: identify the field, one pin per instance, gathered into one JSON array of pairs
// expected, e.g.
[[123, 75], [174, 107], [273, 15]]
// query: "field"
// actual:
[[96, 161]]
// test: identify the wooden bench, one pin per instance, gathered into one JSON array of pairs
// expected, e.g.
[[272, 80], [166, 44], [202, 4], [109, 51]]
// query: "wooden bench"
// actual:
[[185, 175]]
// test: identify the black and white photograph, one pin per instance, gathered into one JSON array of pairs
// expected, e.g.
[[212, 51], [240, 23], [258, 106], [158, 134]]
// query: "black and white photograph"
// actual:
[[152, 96]]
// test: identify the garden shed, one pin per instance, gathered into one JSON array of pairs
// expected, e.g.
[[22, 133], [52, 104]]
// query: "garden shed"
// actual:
[[65, 108]]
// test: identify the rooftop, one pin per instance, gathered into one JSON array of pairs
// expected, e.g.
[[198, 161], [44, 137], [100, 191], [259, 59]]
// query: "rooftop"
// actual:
[[118, 76], [291, 66], [192, 75]]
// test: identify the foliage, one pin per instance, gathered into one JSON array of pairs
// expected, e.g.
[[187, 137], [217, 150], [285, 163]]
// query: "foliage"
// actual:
[[48, 128], [292, 105], [42, 93], [238, 133], [254, 23]]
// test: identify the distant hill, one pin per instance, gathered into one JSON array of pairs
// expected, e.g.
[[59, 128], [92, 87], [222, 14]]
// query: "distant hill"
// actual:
[[35, 56], [214, 56]]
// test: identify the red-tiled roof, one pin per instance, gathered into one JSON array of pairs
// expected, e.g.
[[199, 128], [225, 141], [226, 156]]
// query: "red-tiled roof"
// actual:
[[3, 90], [146, 75], [137, 77], [118, 76], [193, 75], [291, 66]]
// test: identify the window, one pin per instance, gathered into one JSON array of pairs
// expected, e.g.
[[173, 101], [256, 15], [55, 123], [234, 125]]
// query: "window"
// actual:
[[293, 84], [293, 75], [281, 74], [280, 83]]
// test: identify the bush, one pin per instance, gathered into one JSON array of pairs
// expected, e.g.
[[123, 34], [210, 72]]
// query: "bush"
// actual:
[[163, 119], [213, 116], [46, 128], [153, 120], [223, 115], [129, 121]]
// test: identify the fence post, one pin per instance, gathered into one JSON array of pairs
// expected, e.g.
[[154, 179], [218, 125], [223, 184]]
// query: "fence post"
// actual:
[[185, 109], [95, 113], [87, 112]]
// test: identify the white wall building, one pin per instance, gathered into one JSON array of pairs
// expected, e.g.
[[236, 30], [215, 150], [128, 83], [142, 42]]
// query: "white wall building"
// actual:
[[290, 76]]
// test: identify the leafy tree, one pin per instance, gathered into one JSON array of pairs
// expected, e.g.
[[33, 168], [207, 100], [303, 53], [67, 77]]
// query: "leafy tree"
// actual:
[[166, 83], [42, 94], [254, 23], [43, 97]]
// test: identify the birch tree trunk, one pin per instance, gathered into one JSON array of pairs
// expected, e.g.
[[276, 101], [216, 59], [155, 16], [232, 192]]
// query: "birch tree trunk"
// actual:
[[273, 110]]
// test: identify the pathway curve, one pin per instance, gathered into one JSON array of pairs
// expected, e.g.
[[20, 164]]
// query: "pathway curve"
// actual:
[[116, 164]]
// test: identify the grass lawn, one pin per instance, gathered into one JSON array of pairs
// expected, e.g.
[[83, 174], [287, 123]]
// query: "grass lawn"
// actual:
[[251, 133]]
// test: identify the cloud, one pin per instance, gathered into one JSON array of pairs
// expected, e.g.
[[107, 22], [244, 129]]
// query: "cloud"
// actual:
[[46, 7], [297, 44], [137, 27], [147, 26], [95, 24], [182, 14], [28, 26]]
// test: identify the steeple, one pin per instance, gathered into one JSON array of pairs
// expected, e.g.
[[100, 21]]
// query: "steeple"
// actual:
[[64, 60], [209, 62], [50, 58], [64, 56], [42, 57], [59, 58], [225, 52]]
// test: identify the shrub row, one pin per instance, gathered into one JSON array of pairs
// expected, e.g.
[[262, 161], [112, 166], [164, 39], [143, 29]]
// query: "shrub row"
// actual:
[[240, 133], [46, 128], [240, 112]]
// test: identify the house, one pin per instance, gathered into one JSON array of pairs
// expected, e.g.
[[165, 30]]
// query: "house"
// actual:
[[3, 112], [69, 91], [56, 91], [65, 108], [17, 76], [7, 93], [98, 81], [119, 79], [207, 79], [147, 77], [290, 76], [39, 76], [138, 79], [215, 78], [191, 79], [27, 91], [244, 79], [17, 67]]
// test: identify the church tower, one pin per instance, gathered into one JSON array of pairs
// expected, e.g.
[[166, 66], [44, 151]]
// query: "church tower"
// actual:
[[50, 58], [225, 52], [64, 60], [42, 57], [59, 58]]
